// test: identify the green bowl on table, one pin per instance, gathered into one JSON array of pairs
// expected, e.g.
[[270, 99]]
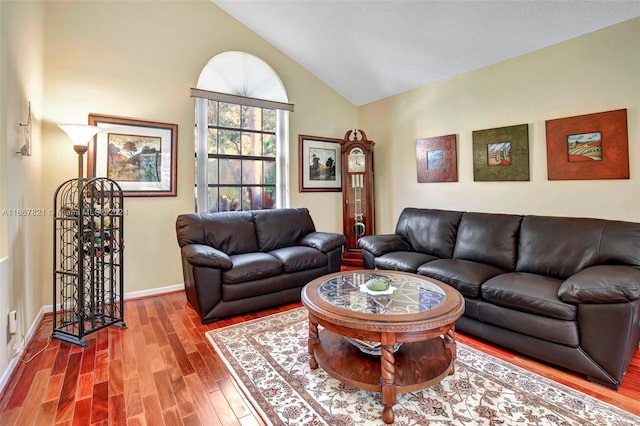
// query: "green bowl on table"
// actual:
[[377, 284]]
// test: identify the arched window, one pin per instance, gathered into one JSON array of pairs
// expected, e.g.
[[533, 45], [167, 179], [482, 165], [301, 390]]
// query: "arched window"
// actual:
[[242, 123]]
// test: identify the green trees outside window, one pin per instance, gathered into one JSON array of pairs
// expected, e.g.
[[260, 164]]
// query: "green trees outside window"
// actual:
[[241, 147]]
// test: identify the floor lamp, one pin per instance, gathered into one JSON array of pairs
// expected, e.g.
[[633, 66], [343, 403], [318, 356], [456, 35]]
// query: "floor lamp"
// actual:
[[87, 250], [80, 135]]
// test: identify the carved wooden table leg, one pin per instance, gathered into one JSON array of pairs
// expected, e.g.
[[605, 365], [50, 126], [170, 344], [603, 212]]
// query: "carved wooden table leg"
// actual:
[[312, 342], [387, 379], [450, 345]]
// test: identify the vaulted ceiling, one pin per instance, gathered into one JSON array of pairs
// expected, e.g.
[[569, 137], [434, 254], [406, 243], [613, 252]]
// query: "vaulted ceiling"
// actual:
[[367, 50]]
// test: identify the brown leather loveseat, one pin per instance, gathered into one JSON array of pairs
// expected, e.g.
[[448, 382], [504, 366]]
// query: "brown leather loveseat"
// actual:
[[245, 261], [563, 290]]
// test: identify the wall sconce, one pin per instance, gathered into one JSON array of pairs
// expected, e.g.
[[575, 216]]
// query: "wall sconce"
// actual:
[[80, 135], [26, 132]]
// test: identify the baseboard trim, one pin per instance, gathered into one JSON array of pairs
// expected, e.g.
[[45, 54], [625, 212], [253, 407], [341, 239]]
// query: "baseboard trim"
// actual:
[[49, 309], [153, 291]]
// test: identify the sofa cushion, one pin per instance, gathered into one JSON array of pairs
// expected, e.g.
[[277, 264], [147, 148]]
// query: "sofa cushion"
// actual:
[[542, 327], [620, 243], [602, 284], [279, 228], [526, 292], [299, 258], [203, 255], [189, 229], [251, 292], [558, 247], [323, 241], [251, 266], [378, 245], [429, 231], [407, 261], [465, 276], [488, 238], [229, 232]]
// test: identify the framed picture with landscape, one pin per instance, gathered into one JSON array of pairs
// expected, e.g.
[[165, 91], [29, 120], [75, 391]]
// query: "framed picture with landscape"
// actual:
[[591, 146], [501, 154], [320, 164], [436, 159], [139, 155]]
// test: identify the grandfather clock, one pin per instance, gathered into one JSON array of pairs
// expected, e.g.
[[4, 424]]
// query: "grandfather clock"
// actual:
[[357, 192]]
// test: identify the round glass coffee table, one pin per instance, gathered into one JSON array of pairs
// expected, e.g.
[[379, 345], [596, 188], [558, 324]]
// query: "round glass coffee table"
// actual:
[[399, 341]]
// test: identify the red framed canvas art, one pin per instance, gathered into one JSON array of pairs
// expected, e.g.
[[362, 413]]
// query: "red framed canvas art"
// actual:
[[591, 146], [436, 159]]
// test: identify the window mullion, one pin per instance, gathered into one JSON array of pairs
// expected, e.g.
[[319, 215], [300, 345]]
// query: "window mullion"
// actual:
[[202, 155], [282, 155]]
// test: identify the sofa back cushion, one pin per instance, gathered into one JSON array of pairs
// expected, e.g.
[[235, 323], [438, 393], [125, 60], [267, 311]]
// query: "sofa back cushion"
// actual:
[[189, 229], [278, 228], [559, 246], [488, 238], [230, 232], [429, 231], [620, 244]]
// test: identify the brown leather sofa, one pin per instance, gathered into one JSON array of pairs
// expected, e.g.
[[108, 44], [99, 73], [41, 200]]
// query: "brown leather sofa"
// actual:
[[245, 261], [563, 290]]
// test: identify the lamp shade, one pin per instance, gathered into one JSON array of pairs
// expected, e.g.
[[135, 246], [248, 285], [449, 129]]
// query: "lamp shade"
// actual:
[[80, 134]]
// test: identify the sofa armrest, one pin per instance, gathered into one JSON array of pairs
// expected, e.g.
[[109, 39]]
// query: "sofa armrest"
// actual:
[[602, 284], [381, 244], [323, 241], [203, 255]]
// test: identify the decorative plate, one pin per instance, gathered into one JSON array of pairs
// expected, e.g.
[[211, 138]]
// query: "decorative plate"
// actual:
[[365, 289]]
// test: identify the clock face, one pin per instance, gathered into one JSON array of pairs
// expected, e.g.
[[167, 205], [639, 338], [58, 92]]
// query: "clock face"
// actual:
[[356, 162]]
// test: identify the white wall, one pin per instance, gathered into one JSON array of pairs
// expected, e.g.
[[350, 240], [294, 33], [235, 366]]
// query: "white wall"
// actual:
[[139, 60], [20, 236], [594, 73]]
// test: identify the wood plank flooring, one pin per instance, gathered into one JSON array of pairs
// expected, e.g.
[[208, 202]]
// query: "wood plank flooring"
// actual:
[[162, 370]]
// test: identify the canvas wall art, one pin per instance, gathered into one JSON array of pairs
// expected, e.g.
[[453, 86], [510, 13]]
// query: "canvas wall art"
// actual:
[[591, 146], [436, 159], [501, 154]]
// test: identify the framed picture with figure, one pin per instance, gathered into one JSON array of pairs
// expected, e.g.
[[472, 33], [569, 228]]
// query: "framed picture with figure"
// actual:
[[501, 154], [320, 165]]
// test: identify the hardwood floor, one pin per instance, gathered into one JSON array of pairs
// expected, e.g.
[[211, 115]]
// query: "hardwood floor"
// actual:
[[162, 370]]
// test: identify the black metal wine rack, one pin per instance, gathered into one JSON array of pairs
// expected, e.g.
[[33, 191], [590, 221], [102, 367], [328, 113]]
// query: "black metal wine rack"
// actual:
[[88, 250]]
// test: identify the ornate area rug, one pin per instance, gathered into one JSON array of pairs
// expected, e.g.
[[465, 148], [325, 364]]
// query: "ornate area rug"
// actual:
[[269, 359]]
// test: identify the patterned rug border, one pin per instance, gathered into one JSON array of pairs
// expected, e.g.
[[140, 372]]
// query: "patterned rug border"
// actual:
[[255, 406], [252, 394]]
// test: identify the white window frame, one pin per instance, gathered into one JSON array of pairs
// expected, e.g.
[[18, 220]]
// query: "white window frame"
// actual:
[[202, 150], [243, 79]]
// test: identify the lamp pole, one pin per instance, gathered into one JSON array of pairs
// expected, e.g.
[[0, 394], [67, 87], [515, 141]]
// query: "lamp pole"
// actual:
[[80, 149]]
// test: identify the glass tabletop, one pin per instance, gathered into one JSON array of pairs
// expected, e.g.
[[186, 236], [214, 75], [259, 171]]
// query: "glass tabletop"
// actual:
[[407, 294]]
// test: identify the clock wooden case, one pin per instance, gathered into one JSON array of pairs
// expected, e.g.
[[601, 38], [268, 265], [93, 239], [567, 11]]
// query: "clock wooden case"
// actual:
[[357, 189]]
